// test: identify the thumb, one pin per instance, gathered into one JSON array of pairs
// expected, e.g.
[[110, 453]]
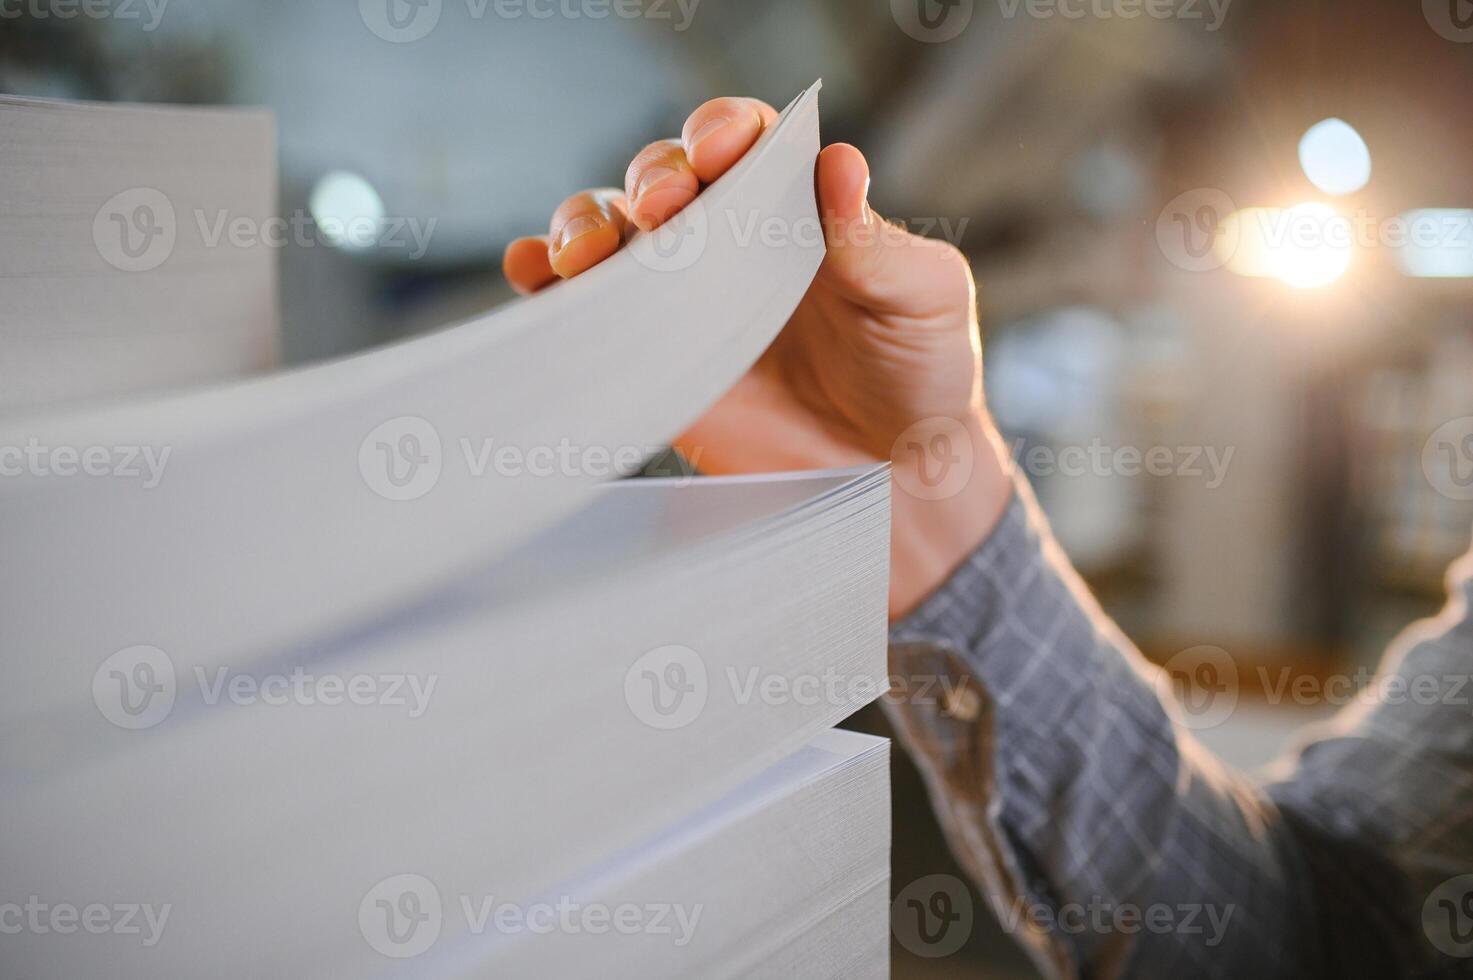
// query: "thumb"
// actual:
[[874, 263]]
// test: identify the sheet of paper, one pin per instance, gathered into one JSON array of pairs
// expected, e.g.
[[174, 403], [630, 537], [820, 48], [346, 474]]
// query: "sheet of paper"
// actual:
[[118, 270], [225, 521]]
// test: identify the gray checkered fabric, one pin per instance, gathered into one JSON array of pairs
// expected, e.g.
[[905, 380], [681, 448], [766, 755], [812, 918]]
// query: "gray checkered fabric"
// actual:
[[1111, 843]]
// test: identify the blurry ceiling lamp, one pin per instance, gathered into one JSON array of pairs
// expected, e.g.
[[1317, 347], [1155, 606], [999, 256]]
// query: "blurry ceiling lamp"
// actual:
[[1334, 157], [1438, 244], [1306, 246], [349, 213]]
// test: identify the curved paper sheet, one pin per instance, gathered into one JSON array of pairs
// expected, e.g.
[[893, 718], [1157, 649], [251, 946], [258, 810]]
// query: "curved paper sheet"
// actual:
[[274, 515]]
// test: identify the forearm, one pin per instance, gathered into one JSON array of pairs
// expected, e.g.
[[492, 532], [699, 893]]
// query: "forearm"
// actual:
[[1069, 792], [1382, 800], [937, 527]]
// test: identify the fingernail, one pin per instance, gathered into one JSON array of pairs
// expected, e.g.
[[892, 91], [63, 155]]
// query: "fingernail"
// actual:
[[575, 229], [651, 179], [703, 132]]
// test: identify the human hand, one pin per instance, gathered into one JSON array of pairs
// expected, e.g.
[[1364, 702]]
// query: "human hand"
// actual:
[[880, 358]]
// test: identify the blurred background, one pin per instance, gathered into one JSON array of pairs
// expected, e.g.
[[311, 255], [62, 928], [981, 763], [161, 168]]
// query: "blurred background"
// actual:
[[1225, 256]]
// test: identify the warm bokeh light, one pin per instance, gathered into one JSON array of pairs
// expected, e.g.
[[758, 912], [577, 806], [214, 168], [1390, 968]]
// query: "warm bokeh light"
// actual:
[[1335, 158], [1306, 246]]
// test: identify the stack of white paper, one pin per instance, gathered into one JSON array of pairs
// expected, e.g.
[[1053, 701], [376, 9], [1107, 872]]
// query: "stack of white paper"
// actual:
[[763, 883], [304, 718], [94, 200]]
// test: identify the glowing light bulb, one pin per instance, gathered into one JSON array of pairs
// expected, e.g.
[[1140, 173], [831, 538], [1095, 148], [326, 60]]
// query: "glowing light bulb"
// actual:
[[1335, 158], [1307, 246]]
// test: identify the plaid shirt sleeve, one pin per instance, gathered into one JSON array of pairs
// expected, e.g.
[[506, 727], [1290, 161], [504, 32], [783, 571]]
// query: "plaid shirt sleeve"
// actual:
[[1111, 844]]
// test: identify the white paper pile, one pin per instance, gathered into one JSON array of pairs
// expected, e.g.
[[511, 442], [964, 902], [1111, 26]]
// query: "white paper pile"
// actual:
[[93, 198], [330, 699]]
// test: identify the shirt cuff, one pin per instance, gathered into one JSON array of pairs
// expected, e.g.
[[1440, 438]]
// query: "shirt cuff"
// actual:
[[946, 715]]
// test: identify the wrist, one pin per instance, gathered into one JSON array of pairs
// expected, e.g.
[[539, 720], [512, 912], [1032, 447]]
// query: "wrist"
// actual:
[[950, 487]]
